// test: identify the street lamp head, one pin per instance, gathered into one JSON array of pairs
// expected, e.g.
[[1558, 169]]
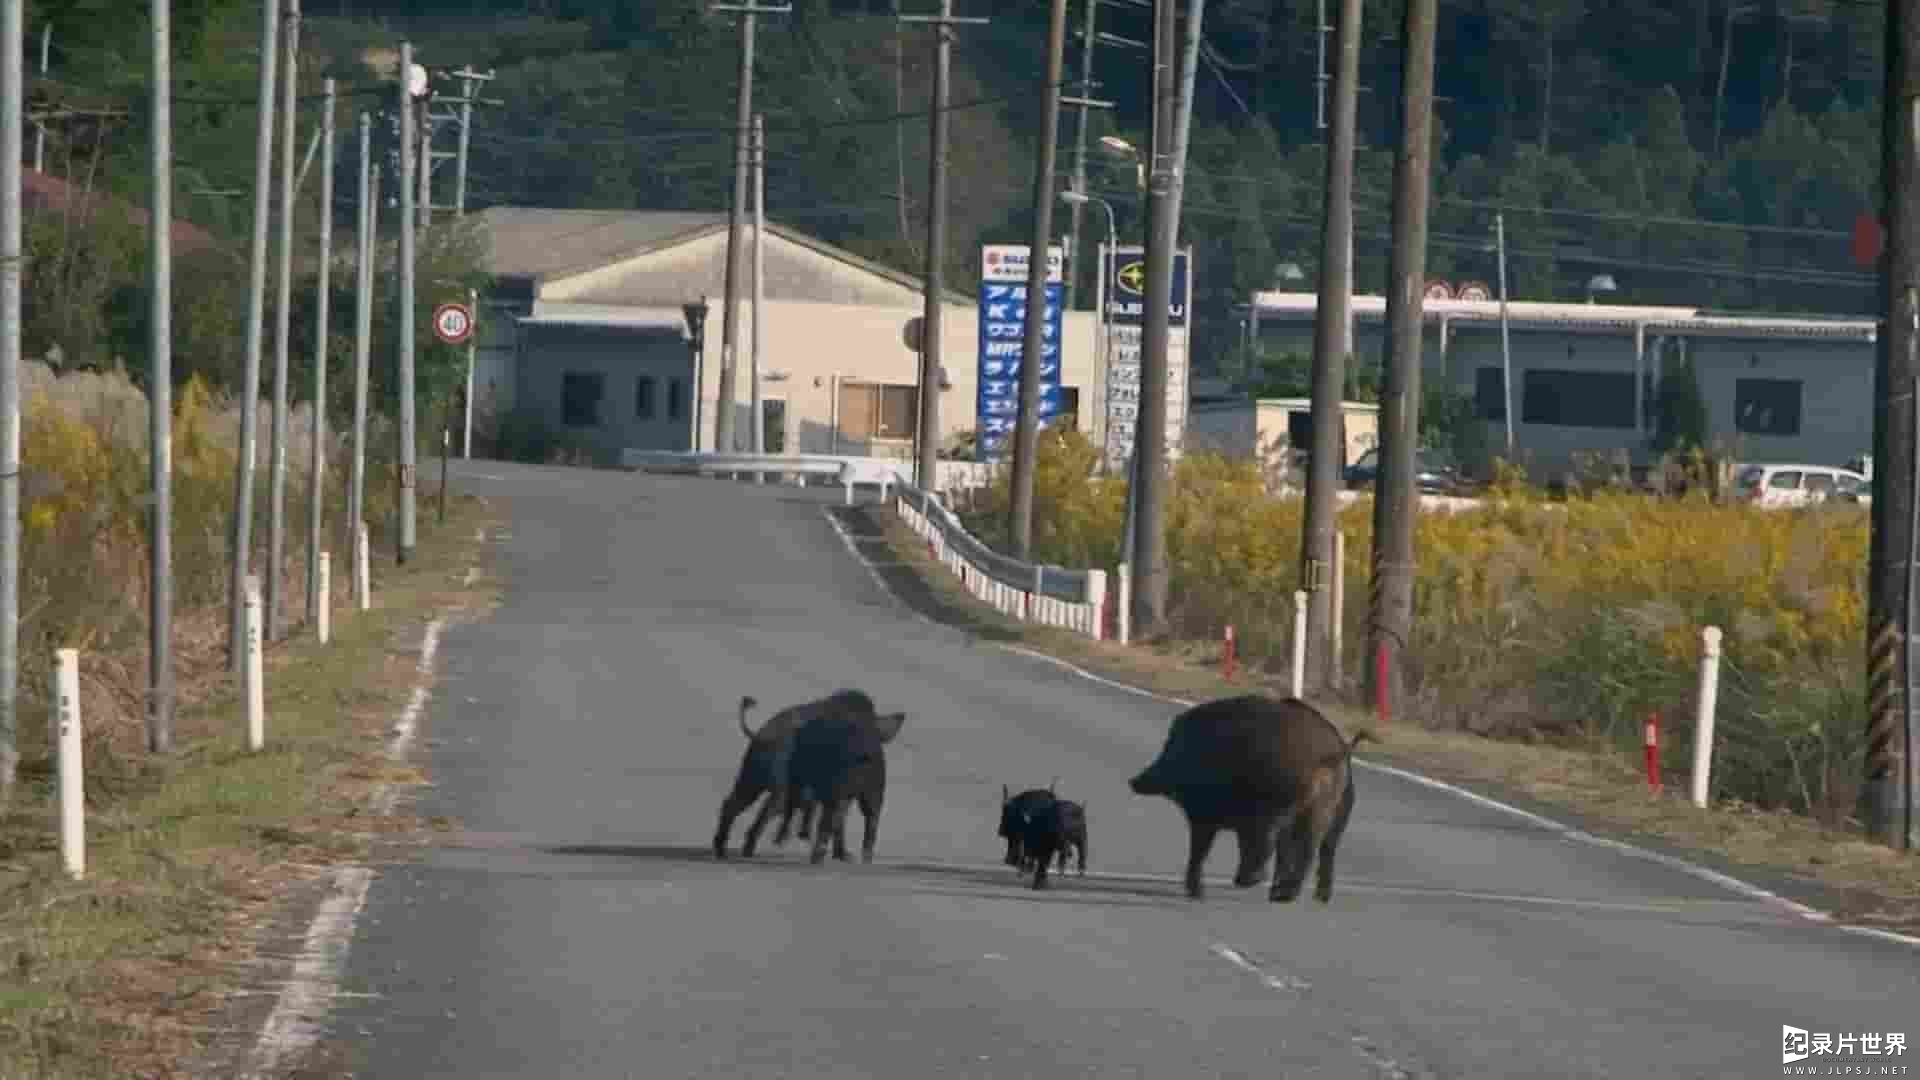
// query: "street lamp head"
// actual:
[[1602, 283], [1074, 198], [1117, 144], [1290, 272]]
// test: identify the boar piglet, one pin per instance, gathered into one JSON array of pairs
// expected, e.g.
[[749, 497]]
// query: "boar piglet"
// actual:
[[840, 757], [1276, 772], [1054, 831], [1015, 812], [765, 763]]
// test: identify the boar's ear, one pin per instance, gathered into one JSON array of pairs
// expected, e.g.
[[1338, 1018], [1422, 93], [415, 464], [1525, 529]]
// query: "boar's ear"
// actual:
[[1006, 795], [888, 725], [1051, 784]]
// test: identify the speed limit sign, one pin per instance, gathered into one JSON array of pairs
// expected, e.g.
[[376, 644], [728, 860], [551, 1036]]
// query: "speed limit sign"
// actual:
[[452, 323]]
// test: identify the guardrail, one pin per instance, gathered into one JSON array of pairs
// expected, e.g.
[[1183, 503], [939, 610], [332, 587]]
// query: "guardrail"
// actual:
[[1031, 592], [849, 470]]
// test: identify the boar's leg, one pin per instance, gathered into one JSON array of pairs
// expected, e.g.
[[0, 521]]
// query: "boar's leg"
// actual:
[[1330, 841], [870, 804], [1311, 821], [777, 797], [1256, 835], [735, 804], [1200, 836], [1081, 844], [806, 819]]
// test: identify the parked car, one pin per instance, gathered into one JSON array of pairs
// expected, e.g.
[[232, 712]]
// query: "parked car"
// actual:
[[1785, 484], [1434, 471]]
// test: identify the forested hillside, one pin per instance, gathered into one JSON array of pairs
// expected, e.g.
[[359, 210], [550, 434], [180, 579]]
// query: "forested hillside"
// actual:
[[1712, 153]]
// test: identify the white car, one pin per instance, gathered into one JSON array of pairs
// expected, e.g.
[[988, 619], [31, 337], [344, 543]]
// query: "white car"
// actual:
[[1781, 485]]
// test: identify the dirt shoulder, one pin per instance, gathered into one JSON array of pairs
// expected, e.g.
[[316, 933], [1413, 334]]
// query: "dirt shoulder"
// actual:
[[196, 868], [1597, 790]]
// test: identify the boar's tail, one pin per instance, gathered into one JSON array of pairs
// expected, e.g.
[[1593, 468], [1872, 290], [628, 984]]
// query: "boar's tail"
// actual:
[[1328, 761], [746, 703], [1359, 737]]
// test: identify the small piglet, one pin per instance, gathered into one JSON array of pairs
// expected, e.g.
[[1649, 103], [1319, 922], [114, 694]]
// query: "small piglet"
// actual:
[[1277, 772], [1015, 813], [1053, 832]]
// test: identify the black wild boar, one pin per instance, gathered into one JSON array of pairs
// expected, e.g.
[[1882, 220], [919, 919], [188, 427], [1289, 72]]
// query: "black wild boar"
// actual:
[[1276, 772], [1015, 812], [765, 762], [840, 757], [1054, 831]]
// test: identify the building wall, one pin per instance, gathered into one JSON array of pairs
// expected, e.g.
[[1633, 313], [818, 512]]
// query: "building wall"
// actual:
[[1831, 383], [825, 347], [684, 273], [496, 346], [621, 359]]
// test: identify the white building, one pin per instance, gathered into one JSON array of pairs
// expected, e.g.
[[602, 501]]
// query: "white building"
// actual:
[[1777, 389]]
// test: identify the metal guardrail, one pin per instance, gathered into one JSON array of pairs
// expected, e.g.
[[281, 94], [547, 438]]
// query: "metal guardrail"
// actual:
[[1057, 582]]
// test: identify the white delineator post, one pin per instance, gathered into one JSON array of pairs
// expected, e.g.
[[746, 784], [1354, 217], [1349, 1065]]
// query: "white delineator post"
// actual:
[[1097, 601], [253, 686], [1125, 621], [73, 793], [1336, 639], [362, 573], [1299, 641], [1703, 720], [323, 602]]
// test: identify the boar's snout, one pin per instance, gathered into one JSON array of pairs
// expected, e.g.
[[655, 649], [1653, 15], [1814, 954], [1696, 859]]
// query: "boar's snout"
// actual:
[[1148, 783]]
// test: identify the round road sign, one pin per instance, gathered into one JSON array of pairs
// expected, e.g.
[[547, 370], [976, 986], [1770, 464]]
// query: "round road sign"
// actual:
[[452, 323]]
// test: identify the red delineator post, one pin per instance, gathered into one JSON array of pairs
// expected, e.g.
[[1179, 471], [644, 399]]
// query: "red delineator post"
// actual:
[[1653, 752], [1226, 657]]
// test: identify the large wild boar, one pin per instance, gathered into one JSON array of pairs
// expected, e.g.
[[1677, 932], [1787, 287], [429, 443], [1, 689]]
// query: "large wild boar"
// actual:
[[1276, 772], [840, 757], [765, 765]]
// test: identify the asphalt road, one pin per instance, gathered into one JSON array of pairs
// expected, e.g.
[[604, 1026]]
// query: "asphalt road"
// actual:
[[582, 737]]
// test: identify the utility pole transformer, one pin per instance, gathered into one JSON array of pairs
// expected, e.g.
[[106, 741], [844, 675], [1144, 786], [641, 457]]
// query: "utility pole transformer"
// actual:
[[725, 441], [926, 434], [160, 394], [1331, 313], [1886, 796], [240, 539], [1150, 434], [1026, 435], [1395, 501]]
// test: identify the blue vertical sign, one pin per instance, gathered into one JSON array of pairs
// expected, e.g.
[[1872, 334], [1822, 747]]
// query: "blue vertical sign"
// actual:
[[1003, 328]]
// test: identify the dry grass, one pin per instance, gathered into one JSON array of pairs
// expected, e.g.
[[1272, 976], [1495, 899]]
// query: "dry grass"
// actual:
[[1592, 783], [130, 973]]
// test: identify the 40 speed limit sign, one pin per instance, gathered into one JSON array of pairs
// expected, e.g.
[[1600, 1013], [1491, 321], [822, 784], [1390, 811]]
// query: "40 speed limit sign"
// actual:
[[452, 323]]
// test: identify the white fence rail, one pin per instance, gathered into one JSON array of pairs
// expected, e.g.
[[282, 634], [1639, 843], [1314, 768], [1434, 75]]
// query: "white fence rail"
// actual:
[[1055, 596]]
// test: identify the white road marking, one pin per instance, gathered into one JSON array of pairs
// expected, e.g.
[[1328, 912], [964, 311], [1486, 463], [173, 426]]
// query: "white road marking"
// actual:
[[1273, 982], [295, 1022], [1568, 832]]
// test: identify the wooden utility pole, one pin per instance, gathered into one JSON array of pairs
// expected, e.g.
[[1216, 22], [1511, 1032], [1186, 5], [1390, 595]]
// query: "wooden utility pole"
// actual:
[[1886, 797], [1330, 320], [1391, 617], [724, 439], [926, 432], [1150, 434], [1026, 432]]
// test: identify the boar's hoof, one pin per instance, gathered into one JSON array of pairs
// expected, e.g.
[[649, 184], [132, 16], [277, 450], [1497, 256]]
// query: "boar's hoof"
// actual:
[[1284, 893], [842, 856], [818, 856], [866, 856], [1246, 879]]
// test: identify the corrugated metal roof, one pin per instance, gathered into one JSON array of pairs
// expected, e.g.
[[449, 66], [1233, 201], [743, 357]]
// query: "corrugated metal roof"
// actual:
[[658, 319], [1532, 314]]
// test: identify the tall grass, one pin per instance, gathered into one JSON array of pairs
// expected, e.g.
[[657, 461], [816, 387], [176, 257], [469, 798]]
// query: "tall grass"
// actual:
[[1533, 619]]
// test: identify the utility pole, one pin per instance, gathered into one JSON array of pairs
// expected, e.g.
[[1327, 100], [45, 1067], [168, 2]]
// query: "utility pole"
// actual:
[[40, 126], [160, 394], [759, 442], [316, 473], [466, 396], [283, 317], [926, 433], [424, 162], [1150, 435], [724, 439], [12, 91], [240, 541], [1395, 502], [1890, 667], [408, 447], [364, 251], [1085, 105], [470, 81], [1331, 313], [1026, 432], [1506, 342]]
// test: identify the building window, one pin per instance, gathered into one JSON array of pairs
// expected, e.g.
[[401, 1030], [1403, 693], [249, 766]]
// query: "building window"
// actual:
[[879, 411], [1588, 399], [1490, 394], [1766, 406], [580, 398], [643, 398], [676, 398], [1069, 414]]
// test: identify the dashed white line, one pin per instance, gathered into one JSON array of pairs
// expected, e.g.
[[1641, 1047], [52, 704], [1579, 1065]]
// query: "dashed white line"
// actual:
[[1287, 983]]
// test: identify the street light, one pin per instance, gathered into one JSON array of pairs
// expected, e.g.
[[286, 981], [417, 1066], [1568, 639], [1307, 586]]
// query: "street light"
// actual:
[[1600, 283], [1126, 149]]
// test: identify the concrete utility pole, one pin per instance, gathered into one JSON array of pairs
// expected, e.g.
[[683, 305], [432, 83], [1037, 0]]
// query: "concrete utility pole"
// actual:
[[470, 81], [473, 356], [283, 317], [1321, 79], [40, 126], [364, 252], [1395, 501], [724, 439], [240, 541], [759, 441], [409, 95], [1150, 434], [316, 472], [1886, 797], [160, 393], [423, 163], [1331, 313], [1026, 432], [1086, 104], [926, 434], [12, 132]]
